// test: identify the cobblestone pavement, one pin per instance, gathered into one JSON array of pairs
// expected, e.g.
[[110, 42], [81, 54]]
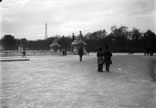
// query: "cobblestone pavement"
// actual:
[[64, 82]]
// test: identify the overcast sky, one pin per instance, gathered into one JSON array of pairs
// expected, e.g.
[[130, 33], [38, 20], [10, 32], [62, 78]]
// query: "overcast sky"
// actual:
[[27, 18]]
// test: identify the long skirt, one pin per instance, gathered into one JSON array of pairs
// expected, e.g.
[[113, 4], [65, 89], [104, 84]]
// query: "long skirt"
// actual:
[[100, 67]]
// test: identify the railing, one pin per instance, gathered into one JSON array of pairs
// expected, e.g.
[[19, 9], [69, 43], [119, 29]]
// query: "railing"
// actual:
[[31, 52]]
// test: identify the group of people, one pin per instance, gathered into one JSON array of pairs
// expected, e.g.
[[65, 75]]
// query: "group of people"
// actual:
[[64, 53], [104, 57]]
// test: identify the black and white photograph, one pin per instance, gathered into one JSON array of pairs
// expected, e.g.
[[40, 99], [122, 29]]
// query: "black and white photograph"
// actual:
[[77, 53]]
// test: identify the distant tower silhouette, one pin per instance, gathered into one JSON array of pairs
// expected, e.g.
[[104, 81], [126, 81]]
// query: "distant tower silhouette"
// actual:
[[46, 35]]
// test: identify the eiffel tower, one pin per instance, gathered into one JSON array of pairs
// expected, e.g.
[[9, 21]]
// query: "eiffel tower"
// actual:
[[46, 35]]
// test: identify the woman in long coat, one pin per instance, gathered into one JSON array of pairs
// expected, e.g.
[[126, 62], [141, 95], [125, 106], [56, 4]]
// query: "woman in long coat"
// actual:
[[100, 60]]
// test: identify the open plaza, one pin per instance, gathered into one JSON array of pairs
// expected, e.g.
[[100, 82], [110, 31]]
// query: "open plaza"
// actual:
[[63, 82]]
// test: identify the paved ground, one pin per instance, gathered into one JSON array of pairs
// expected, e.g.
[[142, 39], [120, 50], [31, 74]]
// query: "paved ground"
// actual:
[[64, 82]]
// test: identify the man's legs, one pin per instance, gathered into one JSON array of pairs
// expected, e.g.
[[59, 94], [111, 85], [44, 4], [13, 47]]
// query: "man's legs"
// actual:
[[101, 67], [80, 58], [98, 67], [107, 67]]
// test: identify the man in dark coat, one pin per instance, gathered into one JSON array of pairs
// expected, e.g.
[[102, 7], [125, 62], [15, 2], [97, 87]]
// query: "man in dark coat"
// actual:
[[107, 58], [24, 54], [80, 51]]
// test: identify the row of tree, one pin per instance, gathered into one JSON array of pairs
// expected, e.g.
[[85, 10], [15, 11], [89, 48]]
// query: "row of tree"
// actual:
[[10, 43], [120, 39]]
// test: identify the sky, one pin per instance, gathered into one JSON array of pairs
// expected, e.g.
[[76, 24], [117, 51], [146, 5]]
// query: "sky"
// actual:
[[27, 18]]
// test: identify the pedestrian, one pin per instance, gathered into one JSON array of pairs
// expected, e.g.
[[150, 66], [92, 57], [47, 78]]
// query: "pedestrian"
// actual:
[[80, 51], [24, 54], [64, 52], [88, 51], [107, 58], [100, 60]]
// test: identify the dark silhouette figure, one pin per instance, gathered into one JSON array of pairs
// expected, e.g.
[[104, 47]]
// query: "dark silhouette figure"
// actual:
[[24, 54], [80, 51], [88, 52], [100, 60], [107, 58], [64, 52], [148, 51]]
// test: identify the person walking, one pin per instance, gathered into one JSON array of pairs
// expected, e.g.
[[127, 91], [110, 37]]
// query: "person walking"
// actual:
[[80, 53], [64, 52], [107, 58], [24, 54], [100, 60]]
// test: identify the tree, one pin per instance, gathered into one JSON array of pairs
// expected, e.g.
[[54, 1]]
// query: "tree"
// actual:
[[120, 35], [24, 43], [150, 39], [9, 42], [62, 42], [135, 37]]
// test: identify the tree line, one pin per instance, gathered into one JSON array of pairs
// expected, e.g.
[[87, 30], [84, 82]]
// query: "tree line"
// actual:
[[120, 39]]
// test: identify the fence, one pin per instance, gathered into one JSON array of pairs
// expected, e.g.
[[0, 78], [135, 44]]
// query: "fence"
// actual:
[[30, 53]]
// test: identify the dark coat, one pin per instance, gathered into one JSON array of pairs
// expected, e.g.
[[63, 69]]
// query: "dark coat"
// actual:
[[81, 52], [107, 57]]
